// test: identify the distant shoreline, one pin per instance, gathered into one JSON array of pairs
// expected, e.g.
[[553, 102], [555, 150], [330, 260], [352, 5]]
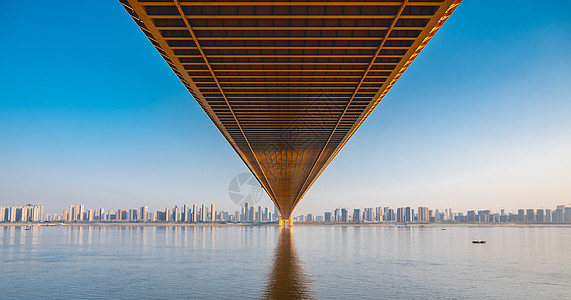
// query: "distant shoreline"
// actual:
[[296, 224]]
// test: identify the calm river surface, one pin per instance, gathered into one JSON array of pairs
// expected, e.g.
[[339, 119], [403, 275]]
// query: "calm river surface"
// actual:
[[258, 262]]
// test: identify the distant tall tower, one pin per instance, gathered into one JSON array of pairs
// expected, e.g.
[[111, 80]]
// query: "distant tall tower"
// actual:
[[408, 214], [81, 211], [356, 215], [72, 213], [203, 213], [167, 214], [423, 215], [251, 214], [212, 213], [185, 215], [176, 213], [144, 215], [132, 215], [378, 214], [194, 213], [259, 214], [246, 212], [344, 215], [401, 215]]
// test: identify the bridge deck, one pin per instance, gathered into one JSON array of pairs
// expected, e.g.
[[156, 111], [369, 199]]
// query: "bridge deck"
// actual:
[[288, 83]]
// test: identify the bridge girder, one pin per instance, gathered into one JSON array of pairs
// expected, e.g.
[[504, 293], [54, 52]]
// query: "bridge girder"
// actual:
[[288, 83]]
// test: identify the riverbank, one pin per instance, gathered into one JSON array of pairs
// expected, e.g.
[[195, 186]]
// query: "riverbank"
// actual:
[[304, 224]]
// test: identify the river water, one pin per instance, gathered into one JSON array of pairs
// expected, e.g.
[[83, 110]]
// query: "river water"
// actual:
[[305, 262]]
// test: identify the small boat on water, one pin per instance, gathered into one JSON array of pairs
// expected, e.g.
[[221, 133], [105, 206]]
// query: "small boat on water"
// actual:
[[28, 227], [478, 242]]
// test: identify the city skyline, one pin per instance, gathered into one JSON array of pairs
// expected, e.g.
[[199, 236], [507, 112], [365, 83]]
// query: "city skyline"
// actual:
[[230, 206], [207, 213], [488, 129]]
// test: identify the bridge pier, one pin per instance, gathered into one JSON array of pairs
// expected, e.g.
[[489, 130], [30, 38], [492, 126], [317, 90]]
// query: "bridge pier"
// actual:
[[286, 222]]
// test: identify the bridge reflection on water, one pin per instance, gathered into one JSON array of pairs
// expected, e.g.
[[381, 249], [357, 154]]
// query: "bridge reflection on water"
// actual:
[[287, 279]]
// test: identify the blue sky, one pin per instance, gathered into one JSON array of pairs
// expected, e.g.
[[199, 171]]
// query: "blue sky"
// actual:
[[90, 113]]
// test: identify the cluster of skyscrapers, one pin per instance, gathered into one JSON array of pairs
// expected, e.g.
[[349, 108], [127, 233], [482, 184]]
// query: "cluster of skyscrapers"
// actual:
[[184, 214], [28, 213], [562, 214]]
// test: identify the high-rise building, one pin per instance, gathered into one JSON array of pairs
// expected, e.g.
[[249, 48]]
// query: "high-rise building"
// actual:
[[12, 214], [390, 215], [368, 214], [378, 214], [72, 213], [167, 214], [521, 215], [81, 212], [90, 215], [144, 215], [344, 216], [212, 213], [423, 214], [548, 216], [246, 212], [327, 216], [132, 216], [194, 213], [408, 214], [309, 218], [449, 215], [22, 214], [471, 216], [203, 213], [356, 215], [559, 214], [176, 214], [529, 216], [386, 215], [567, 216], [185, 214], [259, 214], [484, 216], [400, 215], [539, 216]]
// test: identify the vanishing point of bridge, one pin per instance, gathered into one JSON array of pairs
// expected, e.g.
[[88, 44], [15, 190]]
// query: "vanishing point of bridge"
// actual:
[[288, 83]]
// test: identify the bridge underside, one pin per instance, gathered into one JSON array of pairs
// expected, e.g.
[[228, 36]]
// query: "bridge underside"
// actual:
[[288, 83]]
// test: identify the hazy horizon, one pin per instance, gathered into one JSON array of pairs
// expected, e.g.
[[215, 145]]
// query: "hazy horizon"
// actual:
[[91, 114]]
